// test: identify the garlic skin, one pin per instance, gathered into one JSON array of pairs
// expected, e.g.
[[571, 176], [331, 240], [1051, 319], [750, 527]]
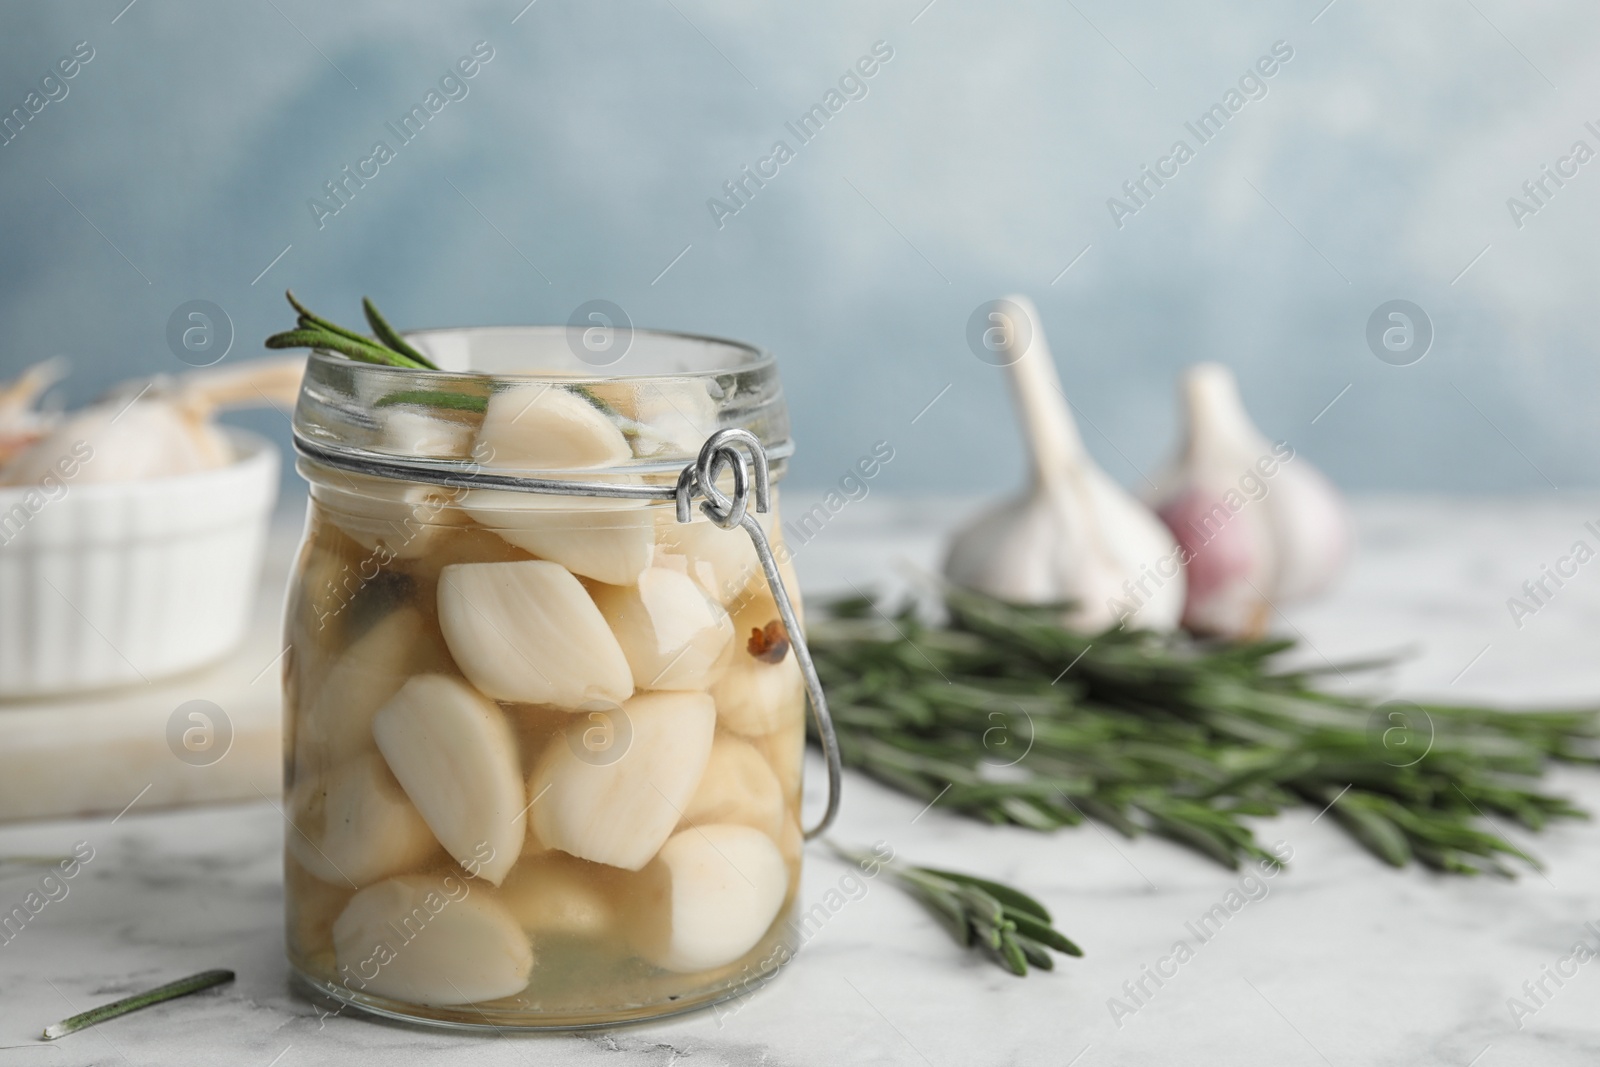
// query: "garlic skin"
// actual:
[[1074, 535], [426, 939], [456, 757], [1258, 526], [528, 632], [543, 426], [708, 897], [620, 809], [673, 634], [355, 826]]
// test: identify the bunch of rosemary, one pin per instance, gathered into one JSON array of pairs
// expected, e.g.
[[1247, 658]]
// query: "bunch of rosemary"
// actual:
[[1001, 714]]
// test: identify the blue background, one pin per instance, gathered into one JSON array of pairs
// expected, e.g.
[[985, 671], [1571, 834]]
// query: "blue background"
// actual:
[[1377, 166]]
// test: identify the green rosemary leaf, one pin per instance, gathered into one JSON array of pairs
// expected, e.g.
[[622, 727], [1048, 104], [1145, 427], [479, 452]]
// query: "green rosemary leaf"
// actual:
[[1042, 932], [1365, 820], [1011, 954], [317, 332], [946, 909], [1010, 899], [315, 337], [1036, 953], [182, 987], [1007, 924], [435, 398], [390, 336], [1168, 734], [311, 320]]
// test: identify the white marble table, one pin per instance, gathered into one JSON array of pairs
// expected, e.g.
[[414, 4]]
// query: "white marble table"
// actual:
[[1343, 962]]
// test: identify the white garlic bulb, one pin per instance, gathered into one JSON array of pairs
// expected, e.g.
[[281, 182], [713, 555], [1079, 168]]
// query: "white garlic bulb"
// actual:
[[160, 429], [1257, 525], [21, 423], [1074, 535]]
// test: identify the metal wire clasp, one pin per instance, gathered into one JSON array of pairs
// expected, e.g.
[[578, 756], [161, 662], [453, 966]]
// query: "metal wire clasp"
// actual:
[[720, 453]]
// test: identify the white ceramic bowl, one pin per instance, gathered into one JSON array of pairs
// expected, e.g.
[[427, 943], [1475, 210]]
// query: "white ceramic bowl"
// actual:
[[106, 585]]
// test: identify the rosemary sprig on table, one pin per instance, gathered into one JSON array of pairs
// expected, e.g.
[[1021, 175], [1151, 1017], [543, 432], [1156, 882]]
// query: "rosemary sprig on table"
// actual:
[[1002, 715], [181, 988], [1010, 926]]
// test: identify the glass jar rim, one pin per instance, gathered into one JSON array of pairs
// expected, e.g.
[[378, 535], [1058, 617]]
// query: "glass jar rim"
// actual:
[[440, 343], [681, 388]]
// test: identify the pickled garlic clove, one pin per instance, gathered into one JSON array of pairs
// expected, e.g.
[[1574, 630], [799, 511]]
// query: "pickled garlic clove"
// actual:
[[672, 633], [559, 894], [544, 426], [669, 418], [529, 632], [1074, 536], [466, 544], [1258, 525], [709, 897], [737, 787], [337, 723], [609, 540], [755, 698], [617, 803], [785, 752], [311, 905], [456, 757], [396, 519], [355, 825], [761, 689], [791, 843], [427, 939], [723, 561], [417, 432]]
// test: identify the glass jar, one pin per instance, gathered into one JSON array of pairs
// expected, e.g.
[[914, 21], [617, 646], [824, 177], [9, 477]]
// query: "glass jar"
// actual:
[[542, 751]]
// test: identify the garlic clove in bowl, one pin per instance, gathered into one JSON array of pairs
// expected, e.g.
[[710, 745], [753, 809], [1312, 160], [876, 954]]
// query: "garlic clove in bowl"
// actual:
[[1258, 526], [1074, 535]]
